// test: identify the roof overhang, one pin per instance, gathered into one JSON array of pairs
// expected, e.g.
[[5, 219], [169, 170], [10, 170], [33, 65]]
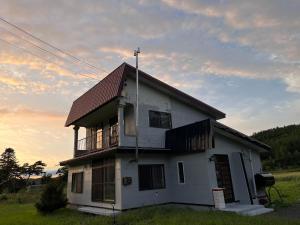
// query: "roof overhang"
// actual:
[[110, 152], [241, 138]]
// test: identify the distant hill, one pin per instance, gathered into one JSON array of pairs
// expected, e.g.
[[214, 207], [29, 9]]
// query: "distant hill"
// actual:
[[285, 143]]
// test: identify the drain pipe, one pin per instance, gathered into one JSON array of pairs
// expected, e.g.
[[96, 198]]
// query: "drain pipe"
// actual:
[[136, 54]]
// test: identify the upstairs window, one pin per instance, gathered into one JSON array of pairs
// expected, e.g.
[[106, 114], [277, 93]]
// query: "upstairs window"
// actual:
[[151, 177], [77, 182], [160, 119], [129, 120]]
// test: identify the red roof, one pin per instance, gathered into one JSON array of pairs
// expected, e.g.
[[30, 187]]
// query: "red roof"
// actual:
[[111, 86], [106, 90]]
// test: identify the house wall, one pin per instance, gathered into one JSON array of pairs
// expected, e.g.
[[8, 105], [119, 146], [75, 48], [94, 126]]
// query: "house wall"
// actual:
[[224, 145], [195, 190], [153, 99], [85, 197]]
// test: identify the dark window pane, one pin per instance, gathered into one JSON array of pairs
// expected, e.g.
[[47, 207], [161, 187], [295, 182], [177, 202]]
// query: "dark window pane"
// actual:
[[181, 172], [151, 177], [77, 182], [160, 119], [103, 180]]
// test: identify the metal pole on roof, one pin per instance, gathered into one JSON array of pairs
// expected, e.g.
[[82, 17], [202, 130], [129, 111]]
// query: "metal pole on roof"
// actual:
[[136, 54]]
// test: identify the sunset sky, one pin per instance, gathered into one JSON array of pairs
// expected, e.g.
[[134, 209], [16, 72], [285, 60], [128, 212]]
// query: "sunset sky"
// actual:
[[242, 57]]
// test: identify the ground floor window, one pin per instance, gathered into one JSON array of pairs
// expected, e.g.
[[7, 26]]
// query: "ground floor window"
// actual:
[[151, 177], [181, 178], [77, 182], [103, 180]]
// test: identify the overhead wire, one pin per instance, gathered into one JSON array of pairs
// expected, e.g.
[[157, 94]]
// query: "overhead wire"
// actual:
[[49, 61], [52, 46]]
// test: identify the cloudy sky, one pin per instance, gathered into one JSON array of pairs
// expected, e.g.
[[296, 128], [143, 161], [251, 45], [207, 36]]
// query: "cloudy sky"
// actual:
[[242, 57]]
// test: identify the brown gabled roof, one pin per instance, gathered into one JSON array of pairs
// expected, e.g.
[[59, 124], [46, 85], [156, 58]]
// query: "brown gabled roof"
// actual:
[[111, 86], [103, 92]]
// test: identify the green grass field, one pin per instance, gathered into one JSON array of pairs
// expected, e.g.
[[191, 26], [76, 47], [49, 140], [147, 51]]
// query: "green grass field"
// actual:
[[18, 209]]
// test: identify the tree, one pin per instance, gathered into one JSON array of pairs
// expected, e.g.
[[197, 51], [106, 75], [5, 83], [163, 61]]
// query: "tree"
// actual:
[[52, 198], [36, 168], [46, 178], [9, 168], [63, 173]]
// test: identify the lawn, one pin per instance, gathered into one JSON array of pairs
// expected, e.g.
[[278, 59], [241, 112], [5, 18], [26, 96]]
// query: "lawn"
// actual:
[[288, 183], [18, 209]]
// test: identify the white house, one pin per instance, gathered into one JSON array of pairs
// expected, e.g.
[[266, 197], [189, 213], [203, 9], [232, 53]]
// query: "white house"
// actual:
[[183, 151]]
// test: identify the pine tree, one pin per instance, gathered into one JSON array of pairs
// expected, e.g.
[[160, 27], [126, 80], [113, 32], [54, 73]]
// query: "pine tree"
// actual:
[[9, 168]]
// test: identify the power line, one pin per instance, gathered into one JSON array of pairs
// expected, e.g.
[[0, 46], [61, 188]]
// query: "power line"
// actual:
[[50, 45], [32, 43], [40, 48], [23, 49]]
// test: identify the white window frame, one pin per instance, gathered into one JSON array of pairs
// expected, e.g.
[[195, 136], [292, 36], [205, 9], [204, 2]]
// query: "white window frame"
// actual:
[[178, 175]]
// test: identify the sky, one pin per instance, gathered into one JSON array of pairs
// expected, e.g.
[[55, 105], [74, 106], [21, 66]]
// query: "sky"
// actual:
[[242, 57]]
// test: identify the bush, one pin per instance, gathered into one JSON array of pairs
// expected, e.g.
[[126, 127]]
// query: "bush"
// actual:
[[52, 198], [3, 197]]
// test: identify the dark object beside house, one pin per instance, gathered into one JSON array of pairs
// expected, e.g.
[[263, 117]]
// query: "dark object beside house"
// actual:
[[263, 180], [52, 198]]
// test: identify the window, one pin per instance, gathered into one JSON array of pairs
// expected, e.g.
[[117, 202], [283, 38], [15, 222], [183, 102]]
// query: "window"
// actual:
[[129, 120], [160, 119], [103, 180], [181, 178], [99, 137], [77, 182], [151, 177]]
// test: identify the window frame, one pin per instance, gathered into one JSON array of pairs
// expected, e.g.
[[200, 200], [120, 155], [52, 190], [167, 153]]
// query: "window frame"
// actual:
[[103, 166], [163, 186], [160, 125], [178, 172], [74, 182], [127, 107]]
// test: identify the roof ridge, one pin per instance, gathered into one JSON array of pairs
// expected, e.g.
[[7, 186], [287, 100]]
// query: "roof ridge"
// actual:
[[103, 79]]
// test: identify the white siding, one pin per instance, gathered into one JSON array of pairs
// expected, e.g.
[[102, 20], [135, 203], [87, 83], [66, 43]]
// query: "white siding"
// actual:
[[153, 99], [85, 197]]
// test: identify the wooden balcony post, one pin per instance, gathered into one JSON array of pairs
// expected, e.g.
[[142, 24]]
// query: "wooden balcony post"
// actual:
[[76, 128]]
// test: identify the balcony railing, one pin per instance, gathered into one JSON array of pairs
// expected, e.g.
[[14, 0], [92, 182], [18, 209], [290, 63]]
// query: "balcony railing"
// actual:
[[103, 138]]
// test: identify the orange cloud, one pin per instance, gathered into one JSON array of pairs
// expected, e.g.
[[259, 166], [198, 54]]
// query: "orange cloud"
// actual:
[[34, 63]]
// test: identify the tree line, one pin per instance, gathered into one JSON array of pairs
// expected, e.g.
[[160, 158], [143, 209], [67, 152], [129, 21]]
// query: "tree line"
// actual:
[[14, 177], [285, 144]]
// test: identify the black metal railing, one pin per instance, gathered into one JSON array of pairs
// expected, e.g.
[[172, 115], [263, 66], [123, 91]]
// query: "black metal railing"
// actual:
[[103, 138]]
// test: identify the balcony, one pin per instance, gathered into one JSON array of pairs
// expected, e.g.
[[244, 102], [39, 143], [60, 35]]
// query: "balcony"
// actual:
[[195, 137], [98, 140]]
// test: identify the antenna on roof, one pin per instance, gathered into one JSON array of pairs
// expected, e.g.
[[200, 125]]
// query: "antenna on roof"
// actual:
[[136, 54]]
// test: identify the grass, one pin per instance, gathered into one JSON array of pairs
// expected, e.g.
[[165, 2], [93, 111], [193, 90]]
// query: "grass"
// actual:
[[21, 214], [18, 209], [288, 183]]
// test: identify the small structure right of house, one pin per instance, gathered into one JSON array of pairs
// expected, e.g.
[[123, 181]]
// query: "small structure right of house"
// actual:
[[184, 152]]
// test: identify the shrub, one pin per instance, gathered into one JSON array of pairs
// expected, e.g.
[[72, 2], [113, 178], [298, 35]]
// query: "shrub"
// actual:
[[3, 197], [52, 198]]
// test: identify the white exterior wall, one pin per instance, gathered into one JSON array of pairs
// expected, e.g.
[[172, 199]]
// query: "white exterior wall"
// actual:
[[132, 197], [195, 190], [85, 198], [224, 145], [153, 99]]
